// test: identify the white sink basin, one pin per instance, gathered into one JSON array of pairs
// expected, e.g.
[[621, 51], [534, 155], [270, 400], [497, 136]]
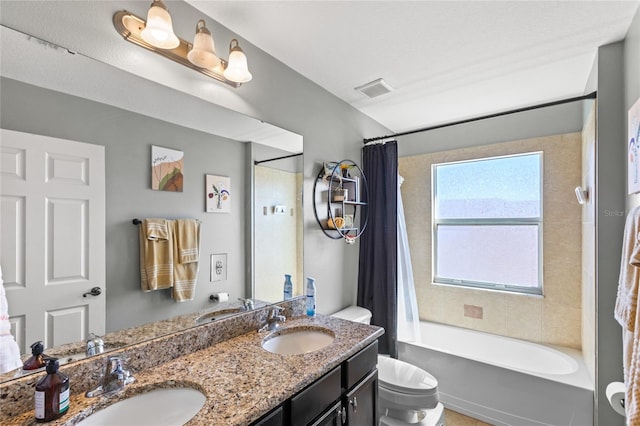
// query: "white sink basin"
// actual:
[[170, 407], [296, 341]]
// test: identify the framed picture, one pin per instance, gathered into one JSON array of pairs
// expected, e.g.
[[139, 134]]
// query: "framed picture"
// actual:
[[166, 169], [218, 194], [633, 149]]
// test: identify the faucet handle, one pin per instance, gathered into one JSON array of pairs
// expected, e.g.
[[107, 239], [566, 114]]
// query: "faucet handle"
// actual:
[[115, 371], [275, 311], [114, 379], [246, 303]]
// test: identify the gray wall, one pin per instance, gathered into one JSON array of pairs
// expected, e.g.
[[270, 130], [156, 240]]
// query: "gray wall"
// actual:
[[559, 119], [610, 190], [618, 76]]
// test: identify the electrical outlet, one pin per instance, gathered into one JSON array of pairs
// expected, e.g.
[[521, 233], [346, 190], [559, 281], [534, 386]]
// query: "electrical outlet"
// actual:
[[218, 267], [279, 209]]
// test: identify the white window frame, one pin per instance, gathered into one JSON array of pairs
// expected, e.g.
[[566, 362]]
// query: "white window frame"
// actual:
[[527, 221]]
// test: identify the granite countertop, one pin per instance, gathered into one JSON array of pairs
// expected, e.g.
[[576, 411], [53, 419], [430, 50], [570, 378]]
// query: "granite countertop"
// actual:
[[126, 337], [240, 379]]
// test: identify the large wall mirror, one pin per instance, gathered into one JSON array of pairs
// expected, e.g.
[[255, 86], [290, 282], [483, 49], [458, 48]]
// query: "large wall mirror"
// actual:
[[49, 91]]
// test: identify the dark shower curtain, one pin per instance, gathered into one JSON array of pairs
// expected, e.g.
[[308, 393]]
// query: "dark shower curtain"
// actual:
[[377, 269]]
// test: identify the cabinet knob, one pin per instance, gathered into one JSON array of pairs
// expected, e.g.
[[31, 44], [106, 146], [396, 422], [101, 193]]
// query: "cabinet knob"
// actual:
[[354, 404]]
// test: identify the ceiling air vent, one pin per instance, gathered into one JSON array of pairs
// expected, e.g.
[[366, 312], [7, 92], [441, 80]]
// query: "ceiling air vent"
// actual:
[[375, 88]]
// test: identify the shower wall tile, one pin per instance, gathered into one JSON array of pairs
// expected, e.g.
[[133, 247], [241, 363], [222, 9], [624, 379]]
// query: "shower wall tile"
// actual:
[[537, 319], [562, 325], [525, 315]]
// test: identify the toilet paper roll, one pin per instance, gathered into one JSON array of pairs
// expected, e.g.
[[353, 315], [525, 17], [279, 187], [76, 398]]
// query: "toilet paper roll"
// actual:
[[222, 297], [615, 394]]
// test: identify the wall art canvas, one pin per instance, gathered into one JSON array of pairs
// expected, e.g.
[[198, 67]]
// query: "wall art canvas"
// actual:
[[633, 143], [218, 194], [167, 166]]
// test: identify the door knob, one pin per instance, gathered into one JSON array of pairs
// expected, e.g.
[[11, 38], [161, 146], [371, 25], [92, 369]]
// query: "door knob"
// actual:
[[96, 291]]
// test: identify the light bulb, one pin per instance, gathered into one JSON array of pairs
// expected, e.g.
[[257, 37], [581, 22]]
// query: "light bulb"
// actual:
[[203, 53], [158, 30], [237, 69]]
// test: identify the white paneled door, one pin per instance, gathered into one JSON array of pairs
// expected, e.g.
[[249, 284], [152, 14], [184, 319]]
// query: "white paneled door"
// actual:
[[52, 241]]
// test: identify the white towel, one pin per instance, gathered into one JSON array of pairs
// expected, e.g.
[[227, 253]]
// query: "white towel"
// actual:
[[9, 350], [626, 313]]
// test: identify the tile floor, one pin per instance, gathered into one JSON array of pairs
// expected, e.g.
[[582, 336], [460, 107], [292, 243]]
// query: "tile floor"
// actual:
[[452, 418]]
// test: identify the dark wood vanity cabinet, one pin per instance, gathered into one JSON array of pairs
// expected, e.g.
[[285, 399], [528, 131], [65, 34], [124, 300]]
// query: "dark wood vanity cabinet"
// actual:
[[362, 402], [347, 395]]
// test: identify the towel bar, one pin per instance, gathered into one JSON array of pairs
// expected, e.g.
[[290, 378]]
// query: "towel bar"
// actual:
[[137, 221]]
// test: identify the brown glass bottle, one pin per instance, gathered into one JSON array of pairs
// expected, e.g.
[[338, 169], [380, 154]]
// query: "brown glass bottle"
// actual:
[[52, 393], [37, 358]]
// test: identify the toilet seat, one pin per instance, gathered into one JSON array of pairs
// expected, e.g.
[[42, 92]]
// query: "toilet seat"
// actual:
[[404, 385], [403, 377]]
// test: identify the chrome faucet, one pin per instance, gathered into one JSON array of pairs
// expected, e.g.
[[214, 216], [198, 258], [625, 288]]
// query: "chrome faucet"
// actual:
[[274, 321], [115, 378], [247, 304]]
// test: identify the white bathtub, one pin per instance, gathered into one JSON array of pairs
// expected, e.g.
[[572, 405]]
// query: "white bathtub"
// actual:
[[504, 381]]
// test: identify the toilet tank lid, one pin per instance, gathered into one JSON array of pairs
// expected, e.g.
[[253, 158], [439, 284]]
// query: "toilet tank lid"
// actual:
[[354, 313]]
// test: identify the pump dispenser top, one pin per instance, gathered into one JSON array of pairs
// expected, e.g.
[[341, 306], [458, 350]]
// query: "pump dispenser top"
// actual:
[[37, 359]]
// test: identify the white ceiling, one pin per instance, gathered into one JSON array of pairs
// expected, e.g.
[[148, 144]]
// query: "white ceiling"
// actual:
[[447, 60]]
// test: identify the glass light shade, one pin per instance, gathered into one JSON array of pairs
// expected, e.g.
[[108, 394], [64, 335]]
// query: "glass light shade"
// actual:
[[237, 70], [158, 30], [203, 53]]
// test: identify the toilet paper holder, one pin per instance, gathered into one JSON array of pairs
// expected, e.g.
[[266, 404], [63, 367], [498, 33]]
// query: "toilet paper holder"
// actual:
[[616, 392], [219, 297]]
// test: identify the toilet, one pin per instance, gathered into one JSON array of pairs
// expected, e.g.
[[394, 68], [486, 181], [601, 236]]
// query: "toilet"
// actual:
[[407, 394]]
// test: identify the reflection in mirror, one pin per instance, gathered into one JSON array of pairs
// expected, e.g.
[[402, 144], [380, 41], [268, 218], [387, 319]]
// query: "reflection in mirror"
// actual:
[[25, 83], [277, 225]]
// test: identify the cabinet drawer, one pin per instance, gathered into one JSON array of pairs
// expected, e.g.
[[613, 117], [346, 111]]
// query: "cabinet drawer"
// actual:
[[312, 401], [274, 418], [357, 367]]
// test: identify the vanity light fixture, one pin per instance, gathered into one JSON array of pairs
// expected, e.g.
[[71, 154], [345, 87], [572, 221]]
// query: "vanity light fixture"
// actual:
[[156, 35]]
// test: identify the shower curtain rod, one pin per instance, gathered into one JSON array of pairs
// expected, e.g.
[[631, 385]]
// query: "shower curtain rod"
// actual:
[[591, 95], [255, 163]]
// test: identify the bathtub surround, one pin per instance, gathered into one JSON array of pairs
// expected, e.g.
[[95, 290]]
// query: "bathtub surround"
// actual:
[[552, 319], [377, 266]]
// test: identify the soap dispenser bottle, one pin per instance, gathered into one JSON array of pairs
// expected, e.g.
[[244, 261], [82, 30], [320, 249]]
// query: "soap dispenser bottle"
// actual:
[[311, 297], [288, 287], [52, 393], [37, 359]]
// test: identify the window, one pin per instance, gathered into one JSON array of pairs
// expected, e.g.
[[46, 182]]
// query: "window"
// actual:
[[487, 222]]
